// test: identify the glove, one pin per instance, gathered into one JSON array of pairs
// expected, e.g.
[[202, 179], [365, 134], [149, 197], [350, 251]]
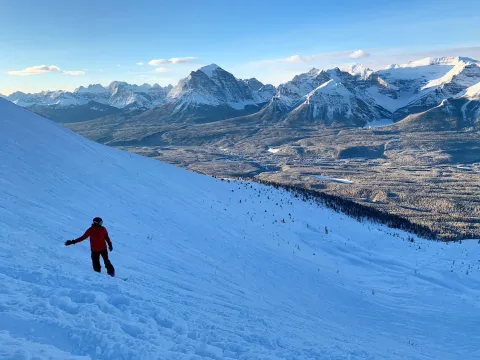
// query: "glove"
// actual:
[[69, 242], [110, 247]]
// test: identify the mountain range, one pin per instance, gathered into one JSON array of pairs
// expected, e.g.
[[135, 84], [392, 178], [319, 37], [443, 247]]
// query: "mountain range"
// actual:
[[352, 95]]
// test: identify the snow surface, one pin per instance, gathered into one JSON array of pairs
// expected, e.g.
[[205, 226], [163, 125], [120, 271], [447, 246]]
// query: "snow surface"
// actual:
[[273, 150], [343, 181], [379, 123], [455, 75], [473, 92], [359, 70], [428, 61], [209, 69], [214, 272]]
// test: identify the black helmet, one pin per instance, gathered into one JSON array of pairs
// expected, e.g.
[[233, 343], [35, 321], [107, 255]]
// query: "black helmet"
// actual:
[[97, 221]]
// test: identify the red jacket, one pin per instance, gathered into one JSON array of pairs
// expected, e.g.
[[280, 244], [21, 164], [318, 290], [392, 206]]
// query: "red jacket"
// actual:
[[98, 235]]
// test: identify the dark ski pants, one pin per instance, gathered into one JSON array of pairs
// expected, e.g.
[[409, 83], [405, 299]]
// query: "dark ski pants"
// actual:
[[96, 262]]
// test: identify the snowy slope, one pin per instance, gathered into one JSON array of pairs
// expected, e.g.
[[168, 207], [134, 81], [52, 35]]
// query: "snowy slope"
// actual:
[[473, 92], [213, 271], [469, 104]]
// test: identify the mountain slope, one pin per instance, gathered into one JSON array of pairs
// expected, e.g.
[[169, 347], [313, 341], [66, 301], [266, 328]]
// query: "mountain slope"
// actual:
[[212, 86], [118, 94], [216, 269], [455, 113], [333, 102], [327, 97], [424, 84], [71, 114]]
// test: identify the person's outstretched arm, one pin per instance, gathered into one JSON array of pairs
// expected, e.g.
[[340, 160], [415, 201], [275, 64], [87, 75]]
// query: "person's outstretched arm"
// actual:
[[81, 238]]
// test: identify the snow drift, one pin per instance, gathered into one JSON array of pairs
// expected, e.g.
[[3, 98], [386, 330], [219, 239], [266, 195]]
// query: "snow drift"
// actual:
[[217, 269]]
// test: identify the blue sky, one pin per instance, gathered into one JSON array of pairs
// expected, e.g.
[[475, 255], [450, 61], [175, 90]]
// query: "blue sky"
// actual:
[[84, 42]]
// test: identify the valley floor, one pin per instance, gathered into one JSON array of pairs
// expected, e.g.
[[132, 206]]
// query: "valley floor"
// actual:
[[433, 179]]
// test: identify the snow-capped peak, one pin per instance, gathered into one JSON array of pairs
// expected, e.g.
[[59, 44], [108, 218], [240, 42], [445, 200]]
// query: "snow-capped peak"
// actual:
[[118, 94], [329, 88], [209, 69], [332, 87], [359, 70], [447, 60], [213, 86], [94, 88], [313, 72]]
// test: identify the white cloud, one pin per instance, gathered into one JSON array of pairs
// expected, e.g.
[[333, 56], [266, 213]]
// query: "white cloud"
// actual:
[[293, 59], [74, 73], [140, 63], [162, 70], [35, 70], [172, 61], [182, 60], [101, 70], [118, 65], [359, 54], [158, 62]]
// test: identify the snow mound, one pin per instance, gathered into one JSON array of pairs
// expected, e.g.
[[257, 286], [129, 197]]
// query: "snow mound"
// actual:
[[216, 269]]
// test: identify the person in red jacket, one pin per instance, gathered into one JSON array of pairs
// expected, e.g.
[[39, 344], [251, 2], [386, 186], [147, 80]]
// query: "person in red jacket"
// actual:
[[98, 244]]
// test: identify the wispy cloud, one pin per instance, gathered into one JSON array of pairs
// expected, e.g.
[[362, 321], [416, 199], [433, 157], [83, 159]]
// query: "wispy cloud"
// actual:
[[118, 65], [162, 70], [140, 63], [74, 73], [180, 60], [359, 54], [328, 56], [158, 62], [468, 51], [35, 70], [155, 79]]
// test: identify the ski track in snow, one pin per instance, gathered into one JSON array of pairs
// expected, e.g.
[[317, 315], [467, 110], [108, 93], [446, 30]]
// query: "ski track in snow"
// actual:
[[213, 271]]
